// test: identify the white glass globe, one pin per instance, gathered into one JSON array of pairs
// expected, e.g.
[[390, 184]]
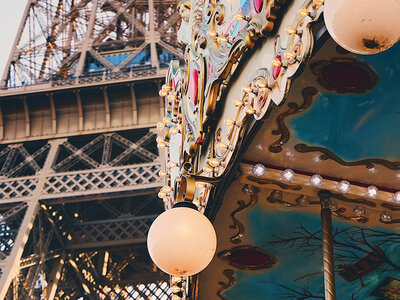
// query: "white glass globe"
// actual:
[[363, 26], [182, 241]]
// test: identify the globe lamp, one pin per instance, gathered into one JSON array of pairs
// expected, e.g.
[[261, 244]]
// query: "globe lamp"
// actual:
[[363, 26], [182, 241]]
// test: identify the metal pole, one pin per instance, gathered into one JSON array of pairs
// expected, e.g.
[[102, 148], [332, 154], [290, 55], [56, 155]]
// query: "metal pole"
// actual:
[[327, 245]]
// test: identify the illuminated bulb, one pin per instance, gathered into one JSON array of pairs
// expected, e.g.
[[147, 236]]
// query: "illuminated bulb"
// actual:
[[208, 169], [167, 121], [182, 241], [69, 237], [172, 164], [239, 17], [359, 211], [162, 173], [288, 175], [176, 279], [160, 139], [162, 194], [222, 147], [76, 215], [259, 170], [372, 191], [290, 30], [276, 62], [229, 122], [363, 26], [166, 87], [290, 55], [318, 2], [166, 188], [174, 130], [238, 102], [396, 197], [200, 185], [172, 97], [214, 162], [386, 216], [246, 89], [304, 12], [260, 83], [222, 39], [250, 110], [196, 202], [316, 180], [54, 213], [344, 186], [212, 34], [160, 126], [60, 218], [161, 145]]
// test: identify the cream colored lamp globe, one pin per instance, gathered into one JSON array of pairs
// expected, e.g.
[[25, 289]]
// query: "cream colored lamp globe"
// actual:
[[363, 26], [182, 241]]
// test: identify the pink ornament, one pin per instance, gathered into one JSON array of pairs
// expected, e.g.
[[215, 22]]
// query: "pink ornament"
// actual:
[[193, 86], [277, 70], [258, 5]]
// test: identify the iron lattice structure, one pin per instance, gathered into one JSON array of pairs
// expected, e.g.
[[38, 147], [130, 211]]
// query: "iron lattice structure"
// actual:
[[78, 159], [64, 39]]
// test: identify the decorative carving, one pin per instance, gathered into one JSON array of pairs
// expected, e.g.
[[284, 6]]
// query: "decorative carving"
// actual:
[[276, 196], [282, 185], [229, 273], [236, 223], [391, 206], [357, 200], [294, 108], [392, 221], [339, 213], [248, 257], [217, 41], [327, 154], [345, 75]]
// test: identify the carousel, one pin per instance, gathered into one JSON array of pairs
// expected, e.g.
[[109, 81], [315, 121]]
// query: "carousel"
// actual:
[[282, 152]]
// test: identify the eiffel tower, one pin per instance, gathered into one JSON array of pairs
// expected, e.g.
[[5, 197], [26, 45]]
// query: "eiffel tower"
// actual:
[[79, 164]]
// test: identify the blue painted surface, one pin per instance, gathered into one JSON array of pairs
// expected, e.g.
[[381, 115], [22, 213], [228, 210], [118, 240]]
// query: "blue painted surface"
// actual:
[[297, 269], [358, 126], [245, 6]]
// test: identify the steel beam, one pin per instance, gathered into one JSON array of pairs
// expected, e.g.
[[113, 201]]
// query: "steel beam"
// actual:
[[87, 43], [54, 278], [12, 262]]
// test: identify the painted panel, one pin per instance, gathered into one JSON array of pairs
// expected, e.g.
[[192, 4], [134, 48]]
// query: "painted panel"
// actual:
[[356, 126], [365, 269]]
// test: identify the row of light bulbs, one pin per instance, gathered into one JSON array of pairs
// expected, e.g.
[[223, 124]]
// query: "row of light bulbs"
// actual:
[[344, 186], [316, 180]]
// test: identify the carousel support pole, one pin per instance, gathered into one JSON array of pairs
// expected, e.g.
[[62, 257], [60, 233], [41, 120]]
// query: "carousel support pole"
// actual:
[[327, 245]]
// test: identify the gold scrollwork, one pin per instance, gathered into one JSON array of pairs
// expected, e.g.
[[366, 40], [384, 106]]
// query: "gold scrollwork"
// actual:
[[328, 154], [392, 207], [276, 196], [229, 273], [236, 223], [339, 213], [282, 185], [357, 200], [294, 108]]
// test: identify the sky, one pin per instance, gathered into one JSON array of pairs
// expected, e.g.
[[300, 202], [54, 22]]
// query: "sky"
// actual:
[[10, 17]]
